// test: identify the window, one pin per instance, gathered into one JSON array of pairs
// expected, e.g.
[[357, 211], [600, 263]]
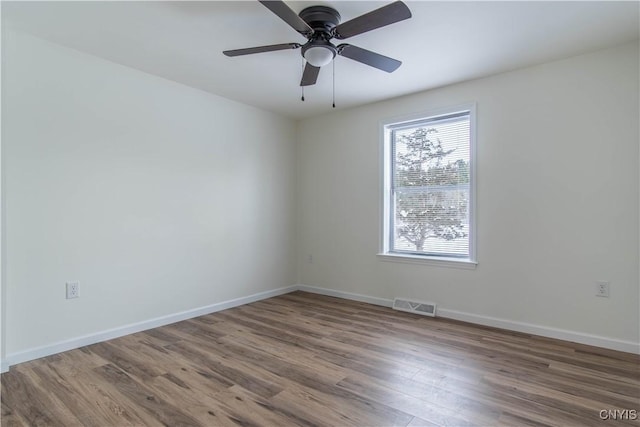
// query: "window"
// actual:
[[428, 195]]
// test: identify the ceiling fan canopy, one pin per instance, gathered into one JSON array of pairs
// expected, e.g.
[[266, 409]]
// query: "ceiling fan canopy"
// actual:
[[321, 24]]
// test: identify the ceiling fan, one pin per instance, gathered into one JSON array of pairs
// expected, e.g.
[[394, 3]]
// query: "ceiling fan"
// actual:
[[320, 24]]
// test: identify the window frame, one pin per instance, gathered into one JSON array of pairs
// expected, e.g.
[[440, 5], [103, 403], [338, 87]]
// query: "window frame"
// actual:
[[386, 170]]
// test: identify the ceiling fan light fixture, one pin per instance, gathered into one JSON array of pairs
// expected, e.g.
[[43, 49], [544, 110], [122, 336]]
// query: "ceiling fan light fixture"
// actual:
[[319, 56]]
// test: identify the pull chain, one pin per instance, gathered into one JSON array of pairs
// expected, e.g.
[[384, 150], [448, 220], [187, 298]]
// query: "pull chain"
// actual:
[[302, 87], [334, 83]]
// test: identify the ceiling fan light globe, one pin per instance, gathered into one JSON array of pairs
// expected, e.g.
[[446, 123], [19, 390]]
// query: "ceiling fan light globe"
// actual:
[[318, 56]]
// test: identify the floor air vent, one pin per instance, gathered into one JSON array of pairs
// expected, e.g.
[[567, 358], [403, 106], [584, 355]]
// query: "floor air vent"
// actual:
[[418, 307]]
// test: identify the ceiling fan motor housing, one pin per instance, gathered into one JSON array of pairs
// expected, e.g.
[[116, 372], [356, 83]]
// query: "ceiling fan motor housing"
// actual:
[[323, 20], [320, 18]]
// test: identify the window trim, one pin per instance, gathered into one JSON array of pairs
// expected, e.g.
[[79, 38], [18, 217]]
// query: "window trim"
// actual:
[[385, 189]]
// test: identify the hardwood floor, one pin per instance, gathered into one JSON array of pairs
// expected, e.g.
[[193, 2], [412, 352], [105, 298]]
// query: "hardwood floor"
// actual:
[[304, 359]]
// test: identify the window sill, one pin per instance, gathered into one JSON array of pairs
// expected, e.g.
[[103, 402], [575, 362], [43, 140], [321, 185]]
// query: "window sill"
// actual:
[[438, 262]]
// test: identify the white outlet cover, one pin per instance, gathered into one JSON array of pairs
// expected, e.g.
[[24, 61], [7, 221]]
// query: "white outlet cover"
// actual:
[[73, 290], [602, 288]]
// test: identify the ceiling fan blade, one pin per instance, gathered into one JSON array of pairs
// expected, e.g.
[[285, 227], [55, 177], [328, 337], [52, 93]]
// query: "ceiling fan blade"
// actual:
[[309, 75], [389, 14], [367, 57], [260, 49], [285, 13]]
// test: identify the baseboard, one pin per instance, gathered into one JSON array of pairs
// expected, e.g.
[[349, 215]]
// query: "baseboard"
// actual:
[[545, 331], [346, 295], [59, 347], [528, 328]]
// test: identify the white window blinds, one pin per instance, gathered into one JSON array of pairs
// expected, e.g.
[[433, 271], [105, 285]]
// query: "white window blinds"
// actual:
[[430, 194]]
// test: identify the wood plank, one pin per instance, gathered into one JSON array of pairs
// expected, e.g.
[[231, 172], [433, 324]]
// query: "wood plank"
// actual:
[[226, 371], [252, 409], [128, 361], [10, 418], [91, 405], [33, 404], [165, 412], [199, 402]]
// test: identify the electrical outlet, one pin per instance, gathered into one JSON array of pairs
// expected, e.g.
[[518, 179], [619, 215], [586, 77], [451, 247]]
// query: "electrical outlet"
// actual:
[[602, 289], [310, 259], [73, 290]]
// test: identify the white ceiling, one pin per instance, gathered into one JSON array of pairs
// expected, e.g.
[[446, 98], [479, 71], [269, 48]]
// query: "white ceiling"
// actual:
[[444, 42]]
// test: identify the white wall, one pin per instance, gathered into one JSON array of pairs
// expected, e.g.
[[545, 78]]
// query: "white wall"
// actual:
[[557, 200], [156, 197]]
